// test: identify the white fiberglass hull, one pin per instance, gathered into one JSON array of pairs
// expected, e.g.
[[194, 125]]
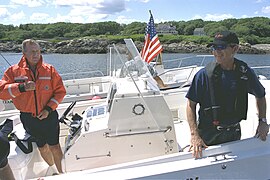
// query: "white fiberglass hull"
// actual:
[[245, 159]]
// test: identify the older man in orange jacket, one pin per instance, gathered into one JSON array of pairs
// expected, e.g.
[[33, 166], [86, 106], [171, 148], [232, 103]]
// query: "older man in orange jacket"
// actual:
[[36, 90]]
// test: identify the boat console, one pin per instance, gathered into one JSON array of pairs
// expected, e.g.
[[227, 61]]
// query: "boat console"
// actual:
[[129, 126]]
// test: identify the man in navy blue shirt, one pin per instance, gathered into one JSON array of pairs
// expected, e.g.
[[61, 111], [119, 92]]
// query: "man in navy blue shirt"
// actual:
[[221, 89]]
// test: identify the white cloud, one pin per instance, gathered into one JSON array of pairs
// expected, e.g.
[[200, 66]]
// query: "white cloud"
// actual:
[[58, 18], [110, 7], [17, 16], [39, 17], [76, 2], [4, 13], [72, 18], [49, 19], [86, 11], [217, 17], [102, 6], [96, 18], [29, 3], [160, 20], [124, 20], [197, 17], [213, 17], [266, 9], [245, 16], [8, 6], [260, 1], [145, 1], [8, 18]]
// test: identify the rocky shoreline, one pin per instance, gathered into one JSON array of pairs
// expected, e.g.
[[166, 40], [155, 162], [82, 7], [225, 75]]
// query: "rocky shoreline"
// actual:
[[96, 46]]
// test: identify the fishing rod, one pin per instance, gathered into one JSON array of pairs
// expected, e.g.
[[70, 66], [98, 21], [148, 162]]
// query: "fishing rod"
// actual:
[[5, 59]]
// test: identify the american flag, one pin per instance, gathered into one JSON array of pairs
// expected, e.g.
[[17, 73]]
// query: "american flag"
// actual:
[[152, 46]]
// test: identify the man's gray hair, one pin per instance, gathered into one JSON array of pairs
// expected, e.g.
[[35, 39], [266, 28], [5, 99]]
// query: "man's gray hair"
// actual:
[[26, 42]]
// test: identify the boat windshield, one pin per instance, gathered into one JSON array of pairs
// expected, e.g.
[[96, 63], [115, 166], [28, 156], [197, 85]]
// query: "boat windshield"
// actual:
[[134, 66], [135, 71]]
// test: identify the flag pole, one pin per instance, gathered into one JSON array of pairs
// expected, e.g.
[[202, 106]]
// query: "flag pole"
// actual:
[[158, 59]]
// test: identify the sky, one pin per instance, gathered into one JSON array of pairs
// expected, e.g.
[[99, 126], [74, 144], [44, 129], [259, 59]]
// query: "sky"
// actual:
[[18, 12]]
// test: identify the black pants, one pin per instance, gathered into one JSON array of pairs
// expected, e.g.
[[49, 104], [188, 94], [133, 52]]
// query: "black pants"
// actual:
[[213, 136], [44, 131]]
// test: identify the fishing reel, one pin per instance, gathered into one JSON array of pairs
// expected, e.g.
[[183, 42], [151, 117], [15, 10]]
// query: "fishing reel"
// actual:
[[76, 123]]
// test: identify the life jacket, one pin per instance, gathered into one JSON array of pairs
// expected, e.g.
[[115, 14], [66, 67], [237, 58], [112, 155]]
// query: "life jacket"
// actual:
[[216, 109], [50, 89]]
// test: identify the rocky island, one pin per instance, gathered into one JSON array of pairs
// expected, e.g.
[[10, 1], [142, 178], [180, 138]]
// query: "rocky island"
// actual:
[[95, 46]]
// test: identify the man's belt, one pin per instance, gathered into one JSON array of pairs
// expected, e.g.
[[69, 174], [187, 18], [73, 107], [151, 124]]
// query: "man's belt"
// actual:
[[228, 128]]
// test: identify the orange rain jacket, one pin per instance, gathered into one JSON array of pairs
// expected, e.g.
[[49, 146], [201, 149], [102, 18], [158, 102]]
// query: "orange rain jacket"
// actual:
[[50, 89]]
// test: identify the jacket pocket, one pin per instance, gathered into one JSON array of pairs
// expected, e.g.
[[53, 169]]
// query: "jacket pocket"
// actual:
[[45, 91]]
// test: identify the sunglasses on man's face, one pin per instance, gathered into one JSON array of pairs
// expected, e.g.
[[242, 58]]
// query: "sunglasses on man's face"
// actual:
[[218, 47], [222, 47]]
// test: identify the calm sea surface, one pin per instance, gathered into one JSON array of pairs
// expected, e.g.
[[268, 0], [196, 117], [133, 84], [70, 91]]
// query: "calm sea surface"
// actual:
[[98, 63]]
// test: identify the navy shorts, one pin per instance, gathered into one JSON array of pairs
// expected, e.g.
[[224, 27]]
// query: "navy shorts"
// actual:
[[4, 150], [44, 131]]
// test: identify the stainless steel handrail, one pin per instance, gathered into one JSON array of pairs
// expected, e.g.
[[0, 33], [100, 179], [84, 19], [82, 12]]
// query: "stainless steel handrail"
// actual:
[[74, 75], [169, 128]]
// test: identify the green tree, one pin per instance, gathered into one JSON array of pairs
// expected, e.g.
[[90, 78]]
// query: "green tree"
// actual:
[[57, 29], [180, 26], [241, 29], [228, 23], [261, 26], [252, 30], [191, 25], [134, 28], [251, 39], [102, 28], [213, 27], [2, 31]]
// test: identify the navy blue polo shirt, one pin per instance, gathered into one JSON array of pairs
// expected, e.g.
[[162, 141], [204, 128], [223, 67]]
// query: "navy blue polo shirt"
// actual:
[[199, 91]]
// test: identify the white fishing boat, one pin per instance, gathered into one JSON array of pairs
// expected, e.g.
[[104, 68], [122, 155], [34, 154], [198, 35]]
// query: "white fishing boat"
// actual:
[[133, 135], [93, 90]]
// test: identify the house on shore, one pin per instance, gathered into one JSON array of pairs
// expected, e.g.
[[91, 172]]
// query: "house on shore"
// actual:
[[166, 29], [199, 32]]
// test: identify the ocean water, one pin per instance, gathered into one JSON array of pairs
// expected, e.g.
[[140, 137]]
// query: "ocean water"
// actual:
[[98, 64]]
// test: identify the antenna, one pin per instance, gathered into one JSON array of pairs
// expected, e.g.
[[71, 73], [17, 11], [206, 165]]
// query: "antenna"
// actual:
[[5, 58]]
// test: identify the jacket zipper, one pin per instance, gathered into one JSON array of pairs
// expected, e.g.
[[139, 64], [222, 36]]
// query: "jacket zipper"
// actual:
[[35, 92]]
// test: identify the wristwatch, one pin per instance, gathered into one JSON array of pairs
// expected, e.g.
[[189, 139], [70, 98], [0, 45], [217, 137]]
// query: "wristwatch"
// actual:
[[263, 120]]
